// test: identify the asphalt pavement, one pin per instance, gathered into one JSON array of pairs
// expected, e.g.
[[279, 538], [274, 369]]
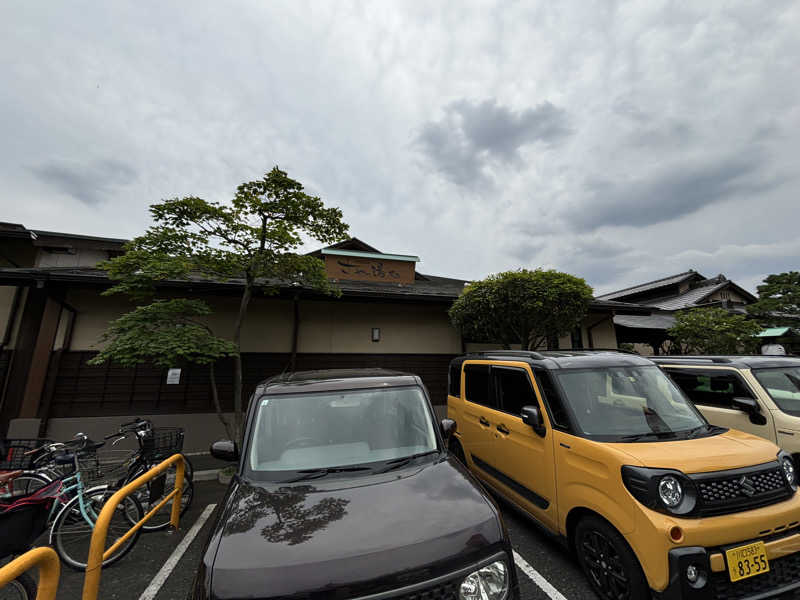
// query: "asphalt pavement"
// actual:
[[162, 565]]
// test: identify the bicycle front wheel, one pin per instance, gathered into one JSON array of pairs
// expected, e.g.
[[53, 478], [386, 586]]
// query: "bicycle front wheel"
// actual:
[[21, 588], [71, 534], [25, 484]]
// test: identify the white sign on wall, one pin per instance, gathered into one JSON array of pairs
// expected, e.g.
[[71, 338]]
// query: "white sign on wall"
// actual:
[[173, 376]]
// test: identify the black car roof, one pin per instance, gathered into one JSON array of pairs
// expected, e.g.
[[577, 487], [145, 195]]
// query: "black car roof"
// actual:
[[755, 361], [335, 379], [563, 359]]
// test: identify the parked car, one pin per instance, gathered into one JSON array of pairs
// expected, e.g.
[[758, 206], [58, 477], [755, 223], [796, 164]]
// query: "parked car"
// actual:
[[345, 489], [756, 394], [608, 455]]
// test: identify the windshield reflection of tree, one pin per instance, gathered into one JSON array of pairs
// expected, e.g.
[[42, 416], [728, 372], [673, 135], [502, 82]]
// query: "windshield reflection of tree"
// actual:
[[293, 522]]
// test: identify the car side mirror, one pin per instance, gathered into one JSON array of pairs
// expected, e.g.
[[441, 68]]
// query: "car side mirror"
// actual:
[[531, 416], [448, 428], [751, 407], [225, 450]]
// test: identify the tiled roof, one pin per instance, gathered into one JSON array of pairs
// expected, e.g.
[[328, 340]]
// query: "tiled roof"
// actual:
[[425, 288], [689, 299], [645, 321], [650, 285]]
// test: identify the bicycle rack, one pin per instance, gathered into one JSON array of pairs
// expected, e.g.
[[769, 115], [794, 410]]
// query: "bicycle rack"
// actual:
[[46, 560]]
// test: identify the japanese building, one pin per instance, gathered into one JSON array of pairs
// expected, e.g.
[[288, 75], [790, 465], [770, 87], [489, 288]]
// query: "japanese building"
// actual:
[[52, 314]]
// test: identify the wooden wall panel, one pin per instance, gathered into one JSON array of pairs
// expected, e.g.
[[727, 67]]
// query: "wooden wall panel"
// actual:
[[82, 391]]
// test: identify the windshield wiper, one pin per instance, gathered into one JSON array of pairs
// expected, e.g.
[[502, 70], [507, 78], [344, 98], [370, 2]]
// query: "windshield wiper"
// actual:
[[644, 436], [322, 472], [396, 463]]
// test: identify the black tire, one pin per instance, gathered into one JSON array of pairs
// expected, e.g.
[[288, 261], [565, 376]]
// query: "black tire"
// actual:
[[21, 588], [161, 520], [457, 451], [71, 535], [609, 563]]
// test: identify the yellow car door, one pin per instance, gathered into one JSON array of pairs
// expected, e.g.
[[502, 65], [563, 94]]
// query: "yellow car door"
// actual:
[[525, 464], [477, 417]]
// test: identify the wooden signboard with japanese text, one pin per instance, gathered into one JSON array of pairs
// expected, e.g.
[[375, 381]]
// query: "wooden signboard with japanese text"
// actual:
[[369, 269]]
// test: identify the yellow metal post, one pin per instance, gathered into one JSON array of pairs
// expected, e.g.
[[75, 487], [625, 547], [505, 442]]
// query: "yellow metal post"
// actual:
[[97, 552], [49, 570]]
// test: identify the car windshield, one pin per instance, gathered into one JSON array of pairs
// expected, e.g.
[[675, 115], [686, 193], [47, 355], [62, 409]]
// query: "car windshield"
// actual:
[[783, 386], [328, 430], [629, 404]]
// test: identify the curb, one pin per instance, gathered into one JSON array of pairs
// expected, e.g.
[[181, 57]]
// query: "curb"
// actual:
[[208, 475]]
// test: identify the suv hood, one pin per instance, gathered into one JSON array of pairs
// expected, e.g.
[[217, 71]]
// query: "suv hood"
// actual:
[[357, 535], [730, 450]]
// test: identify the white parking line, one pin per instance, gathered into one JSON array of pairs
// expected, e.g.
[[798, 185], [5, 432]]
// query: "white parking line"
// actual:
[[176, 555], [537, 578]]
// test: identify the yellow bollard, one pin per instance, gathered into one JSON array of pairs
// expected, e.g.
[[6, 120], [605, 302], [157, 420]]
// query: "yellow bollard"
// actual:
[[49, 570], [97, 552]]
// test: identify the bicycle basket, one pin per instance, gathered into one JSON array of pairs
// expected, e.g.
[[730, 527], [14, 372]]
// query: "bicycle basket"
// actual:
[[161, 442], [106, 467], [12, 453]]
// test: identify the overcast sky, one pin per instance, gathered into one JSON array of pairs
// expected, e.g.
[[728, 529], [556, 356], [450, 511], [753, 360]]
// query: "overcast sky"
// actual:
[[617, 141]]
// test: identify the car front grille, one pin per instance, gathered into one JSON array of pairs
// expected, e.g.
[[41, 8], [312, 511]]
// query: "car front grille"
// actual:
[[781, 581], [441, 591], [726, 492]]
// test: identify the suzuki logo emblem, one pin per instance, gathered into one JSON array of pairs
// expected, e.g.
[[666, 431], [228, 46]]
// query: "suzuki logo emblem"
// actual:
[[746, 485]]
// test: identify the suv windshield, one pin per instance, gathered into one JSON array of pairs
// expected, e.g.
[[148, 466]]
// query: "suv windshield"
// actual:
[[629, 404], [330, 430], [783, 386]]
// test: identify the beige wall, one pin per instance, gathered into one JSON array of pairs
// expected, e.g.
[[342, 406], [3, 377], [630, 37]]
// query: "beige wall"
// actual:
[[6, 300], [325, 326]]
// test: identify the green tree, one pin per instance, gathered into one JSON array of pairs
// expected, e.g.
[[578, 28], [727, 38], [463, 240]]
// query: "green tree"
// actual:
[[713, 331], [778, 300], [521, 307], [167, 333], [251, 241]]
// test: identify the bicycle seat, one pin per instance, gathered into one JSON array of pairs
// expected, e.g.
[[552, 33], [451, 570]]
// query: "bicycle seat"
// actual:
[[64, 459], [6, 477]]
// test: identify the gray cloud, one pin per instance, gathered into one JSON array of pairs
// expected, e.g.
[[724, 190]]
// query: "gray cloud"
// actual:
[[472, 136], [670, 193], [92, 183]]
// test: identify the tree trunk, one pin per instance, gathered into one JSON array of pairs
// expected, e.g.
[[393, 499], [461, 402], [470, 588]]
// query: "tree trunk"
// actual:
[[237, 362], [215, 397]]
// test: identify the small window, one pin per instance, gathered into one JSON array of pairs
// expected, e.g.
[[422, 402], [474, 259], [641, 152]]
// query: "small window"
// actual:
[[513, 389], [558, 413], [454, 379], [710, 388], [476, 385], [576, 339]]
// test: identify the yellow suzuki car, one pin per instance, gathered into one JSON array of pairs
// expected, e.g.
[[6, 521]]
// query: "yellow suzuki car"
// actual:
[[605, 452]]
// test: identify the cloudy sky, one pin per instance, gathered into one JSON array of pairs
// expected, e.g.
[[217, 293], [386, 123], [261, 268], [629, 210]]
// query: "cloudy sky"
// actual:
[[620, 141]]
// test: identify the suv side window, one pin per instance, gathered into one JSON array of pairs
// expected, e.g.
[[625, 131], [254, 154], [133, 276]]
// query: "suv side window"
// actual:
[[513, 389], [558, 412], [476, 385], [454, 377], [710, 387]]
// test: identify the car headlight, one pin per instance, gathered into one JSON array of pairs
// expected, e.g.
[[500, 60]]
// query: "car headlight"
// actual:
[[788, 469], [670, 491], [487, 583], [664, 490]]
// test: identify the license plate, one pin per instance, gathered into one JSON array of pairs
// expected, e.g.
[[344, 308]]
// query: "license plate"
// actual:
[[747, 561]]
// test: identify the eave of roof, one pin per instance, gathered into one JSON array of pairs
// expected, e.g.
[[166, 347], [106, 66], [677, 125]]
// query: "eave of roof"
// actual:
[[430, 289]]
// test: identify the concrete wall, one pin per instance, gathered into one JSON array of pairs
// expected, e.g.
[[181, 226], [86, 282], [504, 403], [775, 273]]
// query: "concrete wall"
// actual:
[[603, 335]]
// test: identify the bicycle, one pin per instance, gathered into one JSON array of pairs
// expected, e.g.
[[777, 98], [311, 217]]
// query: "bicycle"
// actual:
[[77, 507], [155, 445], [20, 455], [23, 518]]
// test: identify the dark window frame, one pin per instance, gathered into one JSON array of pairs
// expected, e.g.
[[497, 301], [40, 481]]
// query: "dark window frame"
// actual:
[[489, 387], [500, 407], [706, 372]]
